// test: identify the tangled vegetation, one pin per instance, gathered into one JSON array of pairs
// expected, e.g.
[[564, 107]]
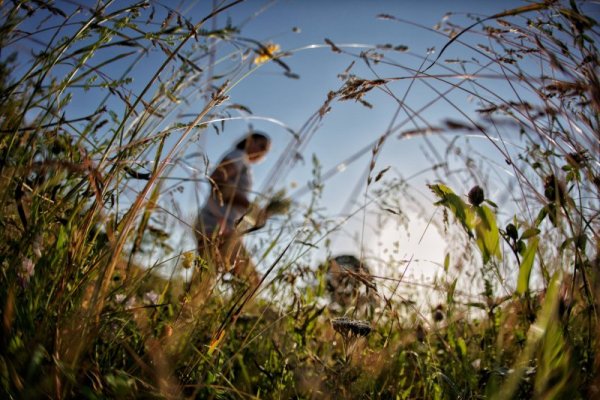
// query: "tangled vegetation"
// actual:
[[82, 198]]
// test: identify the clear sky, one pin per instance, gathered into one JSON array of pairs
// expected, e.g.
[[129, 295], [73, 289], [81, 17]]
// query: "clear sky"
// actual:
[[349, 131], [351, 127]]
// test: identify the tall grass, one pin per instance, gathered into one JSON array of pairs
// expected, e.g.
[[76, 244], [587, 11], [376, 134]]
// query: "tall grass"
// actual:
[[83, 197]]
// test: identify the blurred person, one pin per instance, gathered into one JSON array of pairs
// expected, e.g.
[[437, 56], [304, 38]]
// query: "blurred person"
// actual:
[[217, 227]]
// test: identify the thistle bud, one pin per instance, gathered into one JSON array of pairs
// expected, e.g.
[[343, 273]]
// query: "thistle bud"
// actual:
[[512, 232], [553, 189], [438, 313], [476, 195]]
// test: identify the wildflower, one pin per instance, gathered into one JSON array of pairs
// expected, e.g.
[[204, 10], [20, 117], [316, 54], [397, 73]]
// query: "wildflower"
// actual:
[[120, 298], [151, 297], [265, 53], [348, 327], [476, 195], [26, 271], [188, 260]]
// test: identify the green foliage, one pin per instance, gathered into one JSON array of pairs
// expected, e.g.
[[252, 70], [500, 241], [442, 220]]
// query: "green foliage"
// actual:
[[479, 218], [526, 266], [84, 316]]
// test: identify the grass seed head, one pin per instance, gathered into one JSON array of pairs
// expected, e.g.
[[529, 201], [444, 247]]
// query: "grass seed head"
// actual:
[[351, 327]]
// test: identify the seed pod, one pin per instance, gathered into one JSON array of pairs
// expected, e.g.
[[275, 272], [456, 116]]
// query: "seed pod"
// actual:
[[512, 232], [349, 327], [576, 159], [476, 195], [553, 189], [438, 313]]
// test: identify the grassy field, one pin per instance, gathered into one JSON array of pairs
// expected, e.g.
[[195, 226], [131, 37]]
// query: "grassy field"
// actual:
[[82, 201]]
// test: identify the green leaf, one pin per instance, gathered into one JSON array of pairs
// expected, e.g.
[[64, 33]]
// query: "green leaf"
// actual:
[[529, 233], [462, 346], [451, 290], [459, 208], [541, 215], [545, 318], [62, 239], [491, 203], [446, 262], [554, 364], [526, 266], [37, 357], [488, 235]]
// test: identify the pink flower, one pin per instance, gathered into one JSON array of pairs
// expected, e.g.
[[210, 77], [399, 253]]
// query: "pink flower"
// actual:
[[26, 271], [151, 297]]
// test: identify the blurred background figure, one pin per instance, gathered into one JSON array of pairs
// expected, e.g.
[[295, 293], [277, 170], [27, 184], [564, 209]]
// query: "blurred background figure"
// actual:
[[350, 285], [218, 224]]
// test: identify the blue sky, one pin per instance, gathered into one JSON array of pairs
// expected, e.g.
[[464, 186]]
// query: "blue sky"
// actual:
[[350, 126], [300, 28]]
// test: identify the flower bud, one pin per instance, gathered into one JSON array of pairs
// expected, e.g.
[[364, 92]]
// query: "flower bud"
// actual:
[[476, 195], [512, 232]]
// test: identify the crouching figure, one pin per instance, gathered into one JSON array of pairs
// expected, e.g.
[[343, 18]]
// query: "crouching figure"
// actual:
[[219, 240]]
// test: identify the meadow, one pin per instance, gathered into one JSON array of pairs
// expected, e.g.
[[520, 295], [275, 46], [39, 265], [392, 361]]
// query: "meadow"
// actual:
[[85, 200]]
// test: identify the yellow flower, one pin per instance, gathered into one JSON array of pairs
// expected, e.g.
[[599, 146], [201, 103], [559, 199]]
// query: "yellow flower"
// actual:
[[266, 53], [188, 259]]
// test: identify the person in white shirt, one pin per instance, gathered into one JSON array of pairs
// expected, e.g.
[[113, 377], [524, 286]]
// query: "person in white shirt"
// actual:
[[219, 241]]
